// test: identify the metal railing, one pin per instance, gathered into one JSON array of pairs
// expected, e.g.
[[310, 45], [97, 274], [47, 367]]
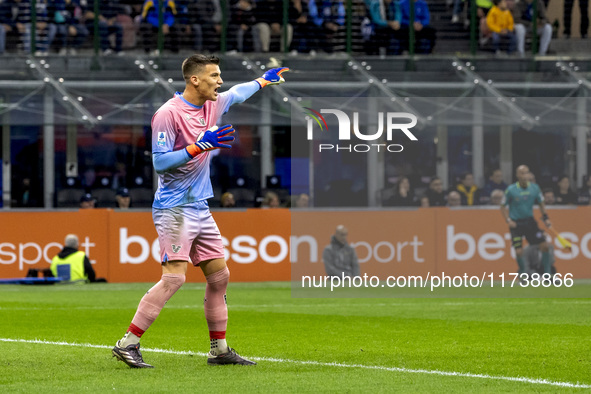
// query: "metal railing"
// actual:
[[39, 8]]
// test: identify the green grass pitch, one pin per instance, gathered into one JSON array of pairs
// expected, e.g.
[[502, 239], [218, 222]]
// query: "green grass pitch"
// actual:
[[301, 345]]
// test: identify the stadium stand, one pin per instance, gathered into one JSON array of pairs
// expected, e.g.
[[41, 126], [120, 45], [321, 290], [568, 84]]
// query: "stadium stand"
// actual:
[[99, 107]]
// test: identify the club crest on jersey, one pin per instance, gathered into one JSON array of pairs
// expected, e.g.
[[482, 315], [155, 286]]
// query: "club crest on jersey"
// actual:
[[176, 248], [161, 139], [201, 121]]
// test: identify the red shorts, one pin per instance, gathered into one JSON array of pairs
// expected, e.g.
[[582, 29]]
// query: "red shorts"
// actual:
[[188, 233]]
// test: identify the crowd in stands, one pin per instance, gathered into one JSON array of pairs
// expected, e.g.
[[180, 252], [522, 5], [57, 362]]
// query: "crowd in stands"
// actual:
[[467, 193], [378, 26], [64, 26], [464, 193], [509, 21]]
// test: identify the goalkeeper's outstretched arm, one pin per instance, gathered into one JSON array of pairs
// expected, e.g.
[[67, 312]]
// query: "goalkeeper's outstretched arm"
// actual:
[[241, 92]]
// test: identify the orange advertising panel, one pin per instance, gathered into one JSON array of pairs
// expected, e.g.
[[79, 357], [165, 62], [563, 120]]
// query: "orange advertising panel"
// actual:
[[256, 246], [266, 244], [123, 246], [475, 241], [32, 239], [387, 242]]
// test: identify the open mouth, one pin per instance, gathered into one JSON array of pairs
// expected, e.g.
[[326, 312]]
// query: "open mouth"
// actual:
[[215, 91]]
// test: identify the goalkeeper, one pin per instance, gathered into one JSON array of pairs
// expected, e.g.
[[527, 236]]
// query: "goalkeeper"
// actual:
[[520, 198], [184, 132]]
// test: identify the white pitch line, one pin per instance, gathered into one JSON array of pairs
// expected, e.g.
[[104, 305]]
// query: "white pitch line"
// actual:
[[324, 364], [254, 306]]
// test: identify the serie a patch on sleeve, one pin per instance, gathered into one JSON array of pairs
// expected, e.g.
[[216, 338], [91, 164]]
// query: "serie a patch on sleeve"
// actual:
[[161, 139]]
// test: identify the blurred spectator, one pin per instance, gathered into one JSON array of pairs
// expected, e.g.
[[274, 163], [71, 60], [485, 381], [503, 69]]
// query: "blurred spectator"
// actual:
[[385, 17], [435, 194], [119, 175], [500, 21], [532, 177], [45, 29], [126, 18], [227, 200], [454, 199], [271, 200], [87, 201], [403, 195], [496, 197], [328, 17], [425, 202], [523, 15], [7, 23], [549, 198], [241, 22], [123, 199], [268, 23], [150, 23], [302, 201], [339, 257], [26, 194], [205, 20], [424, 33], [108, 24], [70, 30], [585, 192], [583, 12], [564, 194], [72, 265], [495, 181], [298, 18], [482, 8], [468, 190]]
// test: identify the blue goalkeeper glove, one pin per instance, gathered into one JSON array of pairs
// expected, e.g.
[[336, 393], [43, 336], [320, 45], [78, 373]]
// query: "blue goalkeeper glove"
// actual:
[[211, 140], [272, 77]]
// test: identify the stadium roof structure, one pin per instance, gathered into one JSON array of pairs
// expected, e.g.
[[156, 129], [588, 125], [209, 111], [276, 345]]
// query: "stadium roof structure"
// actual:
[[126, 90], [112, 90]]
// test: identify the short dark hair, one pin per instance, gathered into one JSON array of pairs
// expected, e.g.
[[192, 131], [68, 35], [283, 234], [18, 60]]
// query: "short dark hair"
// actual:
[[195, 63], [464, 175]]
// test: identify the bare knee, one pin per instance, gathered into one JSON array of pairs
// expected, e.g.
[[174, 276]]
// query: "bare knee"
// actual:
[[174, 267], [544, 247], [212, 266], [519, 252]]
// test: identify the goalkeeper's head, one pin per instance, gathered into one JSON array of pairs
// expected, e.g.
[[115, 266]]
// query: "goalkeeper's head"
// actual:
[[202, 76], [196, 64]]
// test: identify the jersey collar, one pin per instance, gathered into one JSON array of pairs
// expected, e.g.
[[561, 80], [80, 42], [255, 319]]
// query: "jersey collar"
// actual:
[[519, 186], [180, 95]]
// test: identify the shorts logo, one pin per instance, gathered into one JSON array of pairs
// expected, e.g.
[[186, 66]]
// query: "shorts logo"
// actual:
[[201, 121], [176, 248], [161, 139]]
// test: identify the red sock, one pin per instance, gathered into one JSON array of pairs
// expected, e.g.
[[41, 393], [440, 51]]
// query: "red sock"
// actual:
[[217, 335], [135, 330]]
